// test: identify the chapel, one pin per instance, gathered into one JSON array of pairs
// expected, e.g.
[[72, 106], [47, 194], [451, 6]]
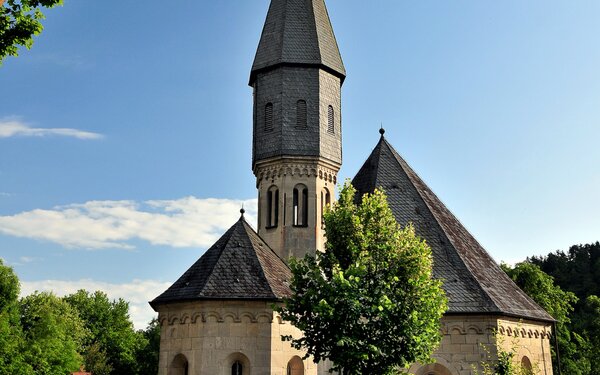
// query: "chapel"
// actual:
[[217, 318]]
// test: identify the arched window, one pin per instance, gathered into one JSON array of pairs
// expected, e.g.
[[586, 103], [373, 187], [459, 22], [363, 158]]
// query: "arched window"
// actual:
[[272, 207], [237, 368], [433, 369], [330, 120], [300, 204], [240, 365], [301, 121], [325, 201], [295, 366], [526, 368], [179, 366], [269, 117]]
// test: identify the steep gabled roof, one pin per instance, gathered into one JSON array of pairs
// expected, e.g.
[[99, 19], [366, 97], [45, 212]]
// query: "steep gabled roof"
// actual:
[[473, 282], [298, 32], [240, 265]]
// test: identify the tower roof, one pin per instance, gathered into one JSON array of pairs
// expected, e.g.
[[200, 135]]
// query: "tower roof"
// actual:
[[473, 282], [240, 265], [298, 32]]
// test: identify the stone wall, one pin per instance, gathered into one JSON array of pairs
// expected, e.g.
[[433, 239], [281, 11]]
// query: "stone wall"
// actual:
[[208, 337], [468, 341]]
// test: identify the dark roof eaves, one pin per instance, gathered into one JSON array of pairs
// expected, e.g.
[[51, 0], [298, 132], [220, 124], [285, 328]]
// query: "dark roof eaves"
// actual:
[[500, 313], [154, 303], [282, 64]]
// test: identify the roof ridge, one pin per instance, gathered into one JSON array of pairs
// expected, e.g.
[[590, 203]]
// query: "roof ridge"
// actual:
[[211, 274], [258, 256], [401, 161], [494, 284]]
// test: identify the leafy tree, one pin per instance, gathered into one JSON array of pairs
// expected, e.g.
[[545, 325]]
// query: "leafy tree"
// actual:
[[558, 303], [53, 334], [589, 325], [369, 303], [110, 328], [96, 360], [20, 20], [12, 361], [147, 356]]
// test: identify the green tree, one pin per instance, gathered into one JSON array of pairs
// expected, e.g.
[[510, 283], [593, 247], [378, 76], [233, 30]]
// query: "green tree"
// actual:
[[110, 328], [369, 303], [588, 323], [147, 356], [12, 360], [20, 20], [96, 360], [53, 334], [558, 303]]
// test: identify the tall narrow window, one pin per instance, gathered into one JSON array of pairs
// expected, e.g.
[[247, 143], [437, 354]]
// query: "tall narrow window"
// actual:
[[300, 204], [325, 201], [301, 114], [330, 120], [237, 368], [272, 207], [269, 117]]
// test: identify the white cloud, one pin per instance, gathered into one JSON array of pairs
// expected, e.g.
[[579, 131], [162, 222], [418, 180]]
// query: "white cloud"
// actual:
[[137, 293], [11, 127], [5, 194], [26, 259], [185, 222]]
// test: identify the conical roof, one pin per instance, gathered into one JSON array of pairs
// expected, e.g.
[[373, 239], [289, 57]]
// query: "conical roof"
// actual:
[[240, 265], [298, 32], [472, 280]]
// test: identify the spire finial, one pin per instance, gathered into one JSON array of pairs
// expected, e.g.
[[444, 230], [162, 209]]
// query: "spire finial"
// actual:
[[242, 211], [381, 130]]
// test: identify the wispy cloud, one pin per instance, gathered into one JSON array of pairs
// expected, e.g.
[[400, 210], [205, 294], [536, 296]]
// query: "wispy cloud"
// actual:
[[185, 222], [5, 194], [11, 127], [137, 293]]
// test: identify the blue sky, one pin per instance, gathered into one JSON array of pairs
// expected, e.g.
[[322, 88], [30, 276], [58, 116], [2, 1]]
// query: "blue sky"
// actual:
[[125, 133]]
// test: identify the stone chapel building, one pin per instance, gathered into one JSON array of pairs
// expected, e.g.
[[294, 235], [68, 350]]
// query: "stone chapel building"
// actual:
[[216, 319]]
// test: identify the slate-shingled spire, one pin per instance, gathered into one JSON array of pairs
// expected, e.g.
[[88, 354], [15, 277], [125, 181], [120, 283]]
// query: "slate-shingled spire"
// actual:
[[240, 265], [298, 32], [473, 282]]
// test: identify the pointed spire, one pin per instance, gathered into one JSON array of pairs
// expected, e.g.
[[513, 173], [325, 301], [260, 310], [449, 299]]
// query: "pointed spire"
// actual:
[[298, 32]]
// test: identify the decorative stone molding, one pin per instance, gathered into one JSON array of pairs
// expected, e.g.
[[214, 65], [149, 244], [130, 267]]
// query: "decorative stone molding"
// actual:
[[175, 318], [312, 169]]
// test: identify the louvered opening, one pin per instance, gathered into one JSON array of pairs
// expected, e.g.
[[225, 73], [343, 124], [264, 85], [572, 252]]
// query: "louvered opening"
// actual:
[[301, 121], [269, 117], [330, 120]]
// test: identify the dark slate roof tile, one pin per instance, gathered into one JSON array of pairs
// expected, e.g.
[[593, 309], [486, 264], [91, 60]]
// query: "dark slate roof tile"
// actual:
[[298, 32], [240, 265], [473, 282]]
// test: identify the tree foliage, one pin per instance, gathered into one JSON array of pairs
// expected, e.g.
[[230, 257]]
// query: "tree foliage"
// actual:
[[20, 20], [111, 330], [43, 334], [53, 334], [369, 303], [12, 360], [558, 303], [577, 270]]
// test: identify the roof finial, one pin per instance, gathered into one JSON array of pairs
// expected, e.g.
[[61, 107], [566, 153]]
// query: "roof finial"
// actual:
[[242, 211], [381, 130]]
